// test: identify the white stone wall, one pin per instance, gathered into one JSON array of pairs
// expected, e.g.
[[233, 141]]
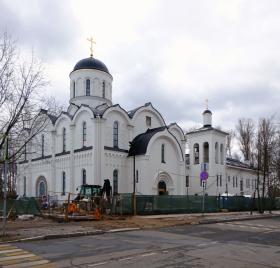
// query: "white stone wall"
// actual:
[[214, 169], [96, 87]]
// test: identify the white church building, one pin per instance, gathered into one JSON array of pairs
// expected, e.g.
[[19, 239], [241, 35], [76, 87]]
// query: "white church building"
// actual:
[[96, 140]]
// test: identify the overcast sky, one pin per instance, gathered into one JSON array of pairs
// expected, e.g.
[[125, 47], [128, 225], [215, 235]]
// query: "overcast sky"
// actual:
[[173, 53]]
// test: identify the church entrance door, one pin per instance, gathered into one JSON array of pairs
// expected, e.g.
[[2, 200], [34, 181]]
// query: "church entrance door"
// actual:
[[162, 188]]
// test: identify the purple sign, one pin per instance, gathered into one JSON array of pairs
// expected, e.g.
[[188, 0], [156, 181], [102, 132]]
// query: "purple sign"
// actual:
[[203, 175]]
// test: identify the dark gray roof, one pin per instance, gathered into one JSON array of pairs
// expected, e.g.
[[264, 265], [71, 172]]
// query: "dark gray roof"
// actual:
[[91, 63], [140, 143], [237, 163], [207, 112], [132, 112], [52, 117], [207, 128]]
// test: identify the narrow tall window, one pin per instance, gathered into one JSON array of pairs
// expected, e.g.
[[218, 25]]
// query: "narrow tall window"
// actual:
[[216, 153], [162, 153], [116, 134], [103, 89], [74, 89], [84, 138], [187, 181], [24, 186], [196, 153], [148, 121], [87, 87], [137, 176], [241, 185], [205, 152], [43, 144], [222, 153], [64, 139], [63, 183], [221, 181], [84, 177], [115, 182]]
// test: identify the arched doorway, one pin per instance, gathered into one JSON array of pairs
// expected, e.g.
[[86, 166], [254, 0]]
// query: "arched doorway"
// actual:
[[41, 187], [162, 188]]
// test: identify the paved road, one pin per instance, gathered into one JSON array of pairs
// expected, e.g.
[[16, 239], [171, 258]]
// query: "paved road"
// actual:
[[235, 244]]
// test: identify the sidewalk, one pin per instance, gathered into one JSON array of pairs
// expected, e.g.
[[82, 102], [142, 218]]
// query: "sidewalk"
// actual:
[[40, 228]]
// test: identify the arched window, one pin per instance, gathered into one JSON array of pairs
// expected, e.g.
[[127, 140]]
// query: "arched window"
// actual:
[[24, 186], [196, 153], [84, 134], [41, 187], [43, 144], [103, 89], [63, 183], [64, 139], [162, 153], [115, 181], [222, 153], [216, 153], [87, 87], [74, 89], [116, 134], [84, 177], [205, 152]]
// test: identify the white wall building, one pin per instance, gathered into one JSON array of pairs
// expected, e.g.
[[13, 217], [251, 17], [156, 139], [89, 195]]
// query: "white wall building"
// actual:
[[207, 146], [95, 140]]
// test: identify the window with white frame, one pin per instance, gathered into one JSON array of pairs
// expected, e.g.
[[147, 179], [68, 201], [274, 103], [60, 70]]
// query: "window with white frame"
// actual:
[[64, 139], [87, 87], [148, 121], [43, 145], [116, 134], [84, 134], [222, 153], [74, 89], [196, 153], [162, 153], [216, 153], [63, 190], [103, 89], [84, 177], [115, 182]]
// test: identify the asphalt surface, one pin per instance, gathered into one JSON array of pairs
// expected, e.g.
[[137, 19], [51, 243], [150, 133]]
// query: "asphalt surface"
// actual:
[[254, 243]]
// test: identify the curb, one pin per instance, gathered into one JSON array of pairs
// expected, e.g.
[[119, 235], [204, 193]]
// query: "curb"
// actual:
[[119, 230], [256, 217], [67, 235]]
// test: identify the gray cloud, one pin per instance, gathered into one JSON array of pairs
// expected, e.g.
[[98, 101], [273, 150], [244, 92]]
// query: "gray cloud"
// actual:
[[175, 55], [49, 26]]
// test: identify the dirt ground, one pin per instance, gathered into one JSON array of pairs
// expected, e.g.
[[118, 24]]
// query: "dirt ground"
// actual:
[[107, 223]]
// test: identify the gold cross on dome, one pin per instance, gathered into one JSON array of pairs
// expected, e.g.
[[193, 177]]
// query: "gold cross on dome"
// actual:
[[206, 103], [91, 40]]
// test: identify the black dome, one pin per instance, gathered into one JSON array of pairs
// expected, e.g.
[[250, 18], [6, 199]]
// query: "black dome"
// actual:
[[91, 63], [207, 112]]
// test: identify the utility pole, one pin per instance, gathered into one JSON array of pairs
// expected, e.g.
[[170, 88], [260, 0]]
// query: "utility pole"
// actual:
[[5, 186], [134, 187], [203, 198]]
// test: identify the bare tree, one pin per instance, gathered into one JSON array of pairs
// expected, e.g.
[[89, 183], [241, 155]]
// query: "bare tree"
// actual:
[[21, 85], [265, 150], [245, 129], [230, 137]]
